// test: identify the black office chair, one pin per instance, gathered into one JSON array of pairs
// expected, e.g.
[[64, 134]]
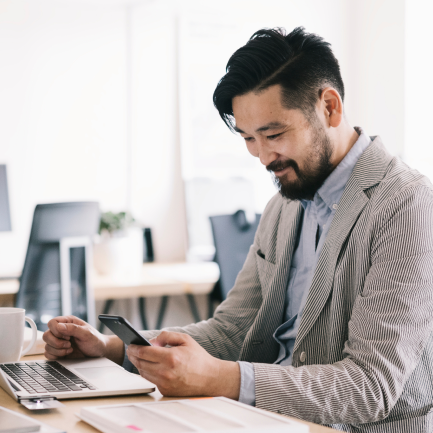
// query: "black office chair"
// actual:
[[40, 283], [233, 235]]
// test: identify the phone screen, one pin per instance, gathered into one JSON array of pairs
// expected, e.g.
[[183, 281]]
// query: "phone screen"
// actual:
[[123, 329]]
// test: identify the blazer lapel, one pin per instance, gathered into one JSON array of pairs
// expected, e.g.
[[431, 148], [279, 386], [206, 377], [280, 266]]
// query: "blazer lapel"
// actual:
[[368, 171], [271, 313], [288, 230]]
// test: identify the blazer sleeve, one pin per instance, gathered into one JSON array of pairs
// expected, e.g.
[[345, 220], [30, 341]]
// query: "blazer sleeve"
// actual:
[[389, 328], [223, 335]]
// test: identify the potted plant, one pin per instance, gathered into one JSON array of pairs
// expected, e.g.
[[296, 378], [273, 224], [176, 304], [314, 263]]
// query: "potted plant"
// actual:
[[119, 247]]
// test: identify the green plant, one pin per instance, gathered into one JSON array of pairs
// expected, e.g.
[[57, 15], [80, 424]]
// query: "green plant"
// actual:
[[112, 222]]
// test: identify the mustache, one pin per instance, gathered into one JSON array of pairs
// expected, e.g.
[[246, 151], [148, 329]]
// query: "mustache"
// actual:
[[281, 165]]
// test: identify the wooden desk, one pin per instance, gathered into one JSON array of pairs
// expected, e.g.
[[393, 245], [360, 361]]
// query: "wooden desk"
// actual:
[[64, 417], [155, 279], [158, 279], [8, 290]]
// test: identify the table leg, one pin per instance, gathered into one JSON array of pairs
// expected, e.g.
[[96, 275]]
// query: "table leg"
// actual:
[[193, 307], [210, 307], [162, 308], [142, 307]]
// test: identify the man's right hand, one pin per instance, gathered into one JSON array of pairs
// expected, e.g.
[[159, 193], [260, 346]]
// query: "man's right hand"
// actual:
[[71, 337]]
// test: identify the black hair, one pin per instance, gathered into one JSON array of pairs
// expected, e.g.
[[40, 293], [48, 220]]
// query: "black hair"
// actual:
[[302, 63]]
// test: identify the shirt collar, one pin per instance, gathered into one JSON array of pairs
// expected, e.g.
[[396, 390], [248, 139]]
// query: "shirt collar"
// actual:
[[332, 189]]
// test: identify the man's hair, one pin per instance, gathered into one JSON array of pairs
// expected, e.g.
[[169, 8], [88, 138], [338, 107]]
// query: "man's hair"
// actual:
[[302, 63]]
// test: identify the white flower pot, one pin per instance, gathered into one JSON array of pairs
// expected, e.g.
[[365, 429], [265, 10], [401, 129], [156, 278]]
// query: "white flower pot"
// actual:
[[120, 254]]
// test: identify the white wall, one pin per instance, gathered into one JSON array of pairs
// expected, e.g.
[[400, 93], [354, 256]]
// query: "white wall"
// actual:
[[418, 107], [89, 103], [374, 68], [157, 196], [89, 106], [89, 99], [62, 110]]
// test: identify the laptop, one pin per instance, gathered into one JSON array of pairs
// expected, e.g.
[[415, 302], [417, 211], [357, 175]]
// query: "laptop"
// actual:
[[70, 378]]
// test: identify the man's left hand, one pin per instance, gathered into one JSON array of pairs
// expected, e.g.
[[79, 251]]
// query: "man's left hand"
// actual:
[[185, 368]]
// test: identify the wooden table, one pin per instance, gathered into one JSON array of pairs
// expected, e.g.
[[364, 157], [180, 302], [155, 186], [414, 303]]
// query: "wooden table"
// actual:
[[8, 290], [158, 279], [65, 418], [155, 279]]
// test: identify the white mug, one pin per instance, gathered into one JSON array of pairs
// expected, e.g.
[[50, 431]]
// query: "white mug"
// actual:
[[12, 334]]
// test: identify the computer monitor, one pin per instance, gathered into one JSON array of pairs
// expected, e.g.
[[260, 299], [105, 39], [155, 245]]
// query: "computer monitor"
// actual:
[[58, 238], [5, 218]]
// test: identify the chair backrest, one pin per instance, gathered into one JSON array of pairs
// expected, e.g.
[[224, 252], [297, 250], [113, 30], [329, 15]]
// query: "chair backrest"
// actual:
[[40, 290], [233, 235], [206, 197]]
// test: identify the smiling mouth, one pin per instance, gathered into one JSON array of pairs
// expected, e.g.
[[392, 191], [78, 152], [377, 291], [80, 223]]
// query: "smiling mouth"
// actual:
[[283, 171]]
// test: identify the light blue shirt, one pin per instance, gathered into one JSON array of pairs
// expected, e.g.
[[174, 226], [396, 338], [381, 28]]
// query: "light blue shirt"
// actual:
[[317, 218]]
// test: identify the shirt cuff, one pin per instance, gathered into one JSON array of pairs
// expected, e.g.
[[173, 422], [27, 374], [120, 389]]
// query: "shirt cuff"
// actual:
[[247, 392]]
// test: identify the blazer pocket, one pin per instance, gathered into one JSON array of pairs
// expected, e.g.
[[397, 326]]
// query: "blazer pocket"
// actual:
[[266, 271]]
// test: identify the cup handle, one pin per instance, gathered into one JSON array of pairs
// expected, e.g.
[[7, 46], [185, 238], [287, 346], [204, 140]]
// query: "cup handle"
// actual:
[[34, 336]]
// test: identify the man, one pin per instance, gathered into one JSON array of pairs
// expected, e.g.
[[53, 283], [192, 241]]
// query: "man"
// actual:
[[331, 317]]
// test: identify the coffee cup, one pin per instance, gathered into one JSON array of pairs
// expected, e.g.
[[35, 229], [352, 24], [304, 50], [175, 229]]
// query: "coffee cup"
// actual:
[[12, 334]]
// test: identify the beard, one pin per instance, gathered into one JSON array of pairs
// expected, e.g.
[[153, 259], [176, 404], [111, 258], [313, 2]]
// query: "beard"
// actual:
[[317, 168]]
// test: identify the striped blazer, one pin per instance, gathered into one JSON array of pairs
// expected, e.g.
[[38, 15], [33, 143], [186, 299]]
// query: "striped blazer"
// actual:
[[363, 356]]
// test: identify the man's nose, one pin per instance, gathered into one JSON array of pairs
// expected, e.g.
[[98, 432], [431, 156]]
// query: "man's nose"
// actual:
[[266, 155]]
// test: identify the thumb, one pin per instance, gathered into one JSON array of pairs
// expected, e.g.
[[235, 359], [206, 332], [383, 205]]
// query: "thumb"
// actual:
[[166, 338], [72, 330]]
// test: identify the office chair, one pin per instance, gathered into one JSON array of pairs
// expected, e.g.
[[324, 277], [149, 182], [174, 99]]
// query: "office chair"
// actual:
[[56, 259], [233, 235]]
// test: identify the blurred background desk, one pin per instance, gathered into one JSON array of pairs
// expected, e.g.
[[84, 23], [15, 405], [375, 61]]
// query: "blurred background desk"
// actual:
[[155, 279], [158, 279], [8, 289]]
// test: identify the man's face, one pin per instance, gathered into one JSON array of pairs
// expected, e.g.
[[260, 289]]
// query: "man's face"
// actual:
[[296, 150]]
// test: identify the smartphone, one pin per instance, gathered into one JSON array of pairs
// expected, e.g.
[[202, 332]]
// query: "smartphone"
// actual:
[[123, 329]]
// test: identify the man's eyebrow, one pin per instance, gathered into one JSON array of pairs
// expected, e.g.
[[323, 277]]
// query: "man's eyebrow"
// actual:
[[271, 125]]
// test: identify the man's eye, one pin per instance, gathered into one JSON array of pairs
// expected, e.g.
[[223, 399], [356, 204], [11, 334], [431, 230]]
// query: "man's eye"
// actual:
[[248, 138], [271, 137]]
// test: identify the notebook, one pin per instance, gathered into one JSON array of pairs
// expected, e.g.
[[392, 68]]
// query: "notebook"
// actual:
[[219, 414], [14, 422]]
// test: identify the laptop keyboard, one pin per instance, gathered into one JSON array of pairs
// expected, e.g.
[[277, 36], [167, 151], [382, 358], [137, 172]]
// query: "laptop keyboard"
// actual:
[[45, 376]]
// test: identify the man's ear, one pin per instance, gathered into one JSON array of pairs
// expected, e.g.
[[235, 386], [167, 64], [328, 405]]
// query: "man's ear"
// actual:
[[332, 105]]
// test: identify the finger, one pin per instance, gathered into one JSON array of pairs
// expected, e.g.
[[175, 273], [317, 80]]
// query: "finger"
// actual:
[[154, 342], [76, 321], [50, 357], [148, 353], [53, 326], [166, 338], [72, 330], [69, 319], [144, 365], [156, 373], [59, 353], [55, 342], [165, 385], [150, 377]]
